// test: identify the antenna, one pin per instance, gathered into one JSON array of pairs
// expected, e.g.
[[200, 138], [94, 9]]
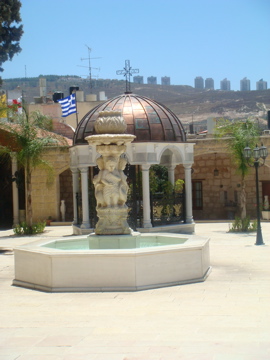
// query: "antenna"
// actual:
[[89, 65], [127, 72]]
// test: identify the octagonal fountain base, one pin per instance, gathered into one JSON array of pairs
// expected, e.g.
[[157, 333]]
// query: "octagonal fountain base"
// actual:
[[115, 263]]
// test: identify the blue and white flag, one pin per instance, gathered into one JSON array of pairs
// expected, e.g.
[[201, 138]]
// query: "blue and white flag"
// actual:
[[68, 105]]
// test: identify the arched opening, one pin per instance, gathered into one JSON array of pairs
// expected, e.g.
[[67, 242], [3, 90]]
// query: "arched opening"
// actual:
[[167, 197], [6, 207], [66, 194]]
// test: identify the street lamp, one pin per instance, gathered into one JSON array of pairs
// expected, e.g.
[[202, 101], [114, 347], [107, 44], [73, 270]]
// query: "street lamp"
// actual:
[[258, 155]]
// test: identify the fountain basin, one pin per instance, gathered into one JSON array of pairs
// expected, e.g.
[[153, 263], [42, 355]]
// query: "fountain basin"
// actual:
[[114, 263]]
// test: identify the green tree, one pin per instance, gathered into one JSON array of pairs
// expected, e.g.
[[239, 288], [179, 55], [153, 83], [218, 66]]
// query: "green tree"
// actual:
[[28, 137], [10, 30], [239, 134]]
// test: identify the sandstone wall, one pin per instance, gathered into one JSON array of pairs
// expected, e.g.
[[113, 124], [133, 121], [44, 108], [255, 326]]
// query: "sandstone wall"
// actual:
[[46, 199], [225, 188]]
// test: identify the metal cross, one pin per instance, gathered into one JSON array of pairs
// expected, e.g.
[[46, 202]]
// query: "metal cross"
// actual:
[[127, 72]]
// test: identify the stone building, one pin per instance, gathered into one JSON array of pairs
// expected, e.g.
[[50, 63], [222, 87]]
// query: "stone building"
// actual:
[[45, 196], [54, 111], [216, 185], [201, 159]]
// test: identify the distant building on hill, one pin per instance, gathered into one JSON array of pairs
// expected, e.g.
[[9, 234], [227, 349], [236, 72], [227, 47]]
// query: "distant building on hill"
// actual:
[[152, 80], [209, 83], [261, 85], [165, 80], [138, 79], [199, 82], [225, 85], [245, 84]]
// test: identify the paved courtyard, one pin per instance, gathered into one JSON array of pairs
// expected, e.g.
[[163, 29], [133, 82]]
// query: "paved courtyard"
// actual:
[[227, 317]]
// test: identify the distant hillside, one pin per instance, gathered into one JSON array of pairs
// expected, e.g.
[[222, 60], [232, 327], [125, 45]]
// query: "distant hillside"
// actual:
[[187, 103]]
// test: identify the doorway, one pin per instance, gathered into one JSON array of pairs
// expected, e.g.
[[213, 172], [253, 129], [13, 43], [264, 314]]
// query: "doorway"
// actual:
[[6, 207]]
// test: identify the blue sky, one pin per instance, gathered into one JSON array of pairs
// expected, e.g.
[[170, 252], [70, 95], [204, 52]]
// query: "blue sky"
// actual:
[[177, 38]]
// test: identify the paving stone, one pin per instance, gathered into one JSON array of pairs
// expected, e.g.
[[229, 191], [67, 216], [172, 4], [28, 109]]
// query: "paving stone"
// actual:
[[227, 317]]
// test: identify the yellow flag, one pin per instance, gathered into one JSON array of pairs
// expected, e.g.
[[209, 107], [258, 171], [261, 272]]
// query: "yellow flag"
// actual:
[[3, 106]]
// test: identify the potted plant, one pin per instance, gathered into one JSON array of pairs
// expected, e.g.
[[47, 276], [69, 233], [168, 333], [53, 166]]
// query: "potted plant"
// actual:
[[48, 221]]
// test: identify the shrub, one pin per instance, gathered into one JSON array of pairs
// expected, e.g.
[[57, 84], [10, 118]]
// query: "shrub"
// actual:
[[23, 229], [243, 225]]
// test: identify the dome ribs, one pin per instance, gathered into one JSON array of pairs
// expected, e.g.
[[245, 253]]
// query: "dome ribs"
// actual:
[[145, 118]]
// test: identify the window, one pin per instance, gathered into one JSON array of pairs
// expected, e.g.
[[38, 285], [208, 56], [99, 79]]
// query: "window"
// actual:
[[197, 199]]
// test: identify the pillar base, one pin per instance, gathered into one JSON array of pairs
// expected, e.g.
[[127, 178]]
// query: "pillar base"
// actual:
[[85, 226]]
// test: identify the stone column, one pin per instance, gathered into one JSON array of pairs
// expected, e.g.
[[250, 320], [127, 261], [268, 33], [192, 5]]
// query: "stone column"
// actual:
[[171, 174], [15, 191], [75, 188], [146, 196], [188, 190], [85, 198]]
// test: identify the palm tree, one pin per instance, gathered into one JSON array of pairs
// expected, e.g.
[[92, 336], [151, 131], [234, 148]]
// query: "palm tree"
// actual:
[[239, 134], [27, 138]]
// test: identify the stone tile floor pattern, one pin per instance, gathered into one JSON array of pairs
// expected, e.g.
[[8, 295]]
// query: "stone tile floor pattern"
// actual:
[[227, 317]]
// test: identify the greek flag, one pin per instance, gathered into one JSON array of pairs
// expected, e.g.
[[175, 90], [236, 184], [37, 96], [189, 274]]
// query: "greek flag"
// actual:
[[68, 105]]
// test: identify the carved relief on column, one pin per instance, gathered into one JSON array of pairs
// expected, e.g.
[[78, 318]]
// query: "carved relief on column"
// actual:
[[111, 195], [110, 184]]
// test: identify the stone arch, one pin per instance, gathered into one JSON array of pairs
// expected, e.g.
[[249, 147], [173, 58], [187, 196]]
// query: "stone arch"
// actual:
[[6, 208], [170, 155], [66, 192]]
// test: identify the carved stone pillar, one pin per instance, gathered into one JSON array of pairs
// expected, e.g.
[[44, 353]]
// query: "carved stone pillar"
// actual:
[[171, 177], [15, 191], [188, 190], [110, 183], [85, 198], [146, 197], [75, 187]]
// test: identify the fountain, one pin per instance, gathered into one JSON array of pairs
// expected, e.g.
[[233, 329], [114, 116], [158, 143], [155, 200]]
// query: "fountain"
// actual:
[[114, 257], [110, 184]]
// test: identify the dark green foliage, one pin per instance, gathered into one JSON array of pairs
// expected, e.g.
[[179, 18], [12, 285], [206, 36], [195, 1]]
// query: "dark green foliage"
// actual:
[[159, 182], [24, 229], [10, 31], [158, 178]]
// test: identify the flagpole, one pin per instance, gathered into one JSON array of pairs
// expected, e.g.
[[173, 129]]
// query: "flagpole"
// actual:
[[76, 107]]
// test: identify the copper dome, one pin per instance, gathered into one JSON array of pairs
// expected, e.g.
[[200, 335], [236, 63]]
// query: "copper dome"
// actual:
[[145, 118]]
